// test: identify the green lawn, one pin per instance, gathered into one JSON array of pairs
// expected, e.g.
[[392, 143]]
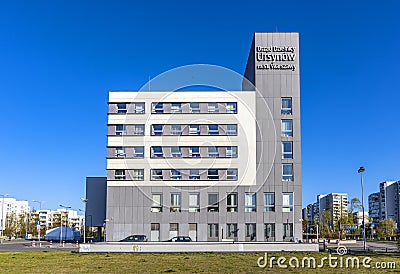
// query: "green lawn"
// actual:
[[68, 262]]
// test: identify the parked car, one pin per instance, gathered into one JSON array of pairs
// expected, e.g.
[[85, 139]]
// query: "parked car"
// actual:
[[180, 239], [135, 238]]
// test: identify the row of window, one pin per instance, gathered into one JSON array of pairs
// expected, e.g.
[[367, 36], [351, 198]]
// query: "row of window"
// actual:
[[213, 202], [191, 174], [230, 107]]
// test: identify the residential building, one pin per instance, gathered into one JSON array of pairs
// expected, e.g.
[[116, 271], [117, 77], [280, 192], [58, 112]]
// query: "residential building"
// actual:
[[389, 201], [54, 218], [374, 207], [10, 206], [336, 203]]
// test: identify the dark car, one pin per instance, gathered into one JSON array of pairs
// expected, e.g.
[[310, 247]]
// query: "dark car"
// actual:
[[135, 238], [180, 239]]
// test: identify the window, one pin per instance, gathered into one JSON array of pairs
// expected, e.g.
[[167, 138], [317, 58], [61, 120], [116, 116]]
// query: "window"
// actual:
[[231, 202], [231, 231], [156, 174], [250, 202], [213, 230], [138, 152], [287, 205], [139, 108], [194, 202], [231, 152], [269, 232], [269, 202], [175, 202], [287, 231], [213, 130], [176, 108], [287, 150], [194, 130], [158, 108], [231, 129], [287, 128], [212, 174], [176, 174], [213, 152], [137, 174], [231, 108], [212, 107], [156, 205], [287, 172], [250, 232], [138, 129], [213, 202], [176, 152], [120, 152], [173, 230], [120, 130], [194, 174], [194, 152], [232, 174], [121, 108], [157, 130], [157, 152], [176, 130], [120, 174], [286, 108], [194, 107]]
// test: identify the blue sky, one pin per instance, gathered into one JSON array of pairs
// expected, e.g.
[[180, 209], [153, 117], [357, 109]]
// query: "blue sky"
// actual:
[[58, 60]]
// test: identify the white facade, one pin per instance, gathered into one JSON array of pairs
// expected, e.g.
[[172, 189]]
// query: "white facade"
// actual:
[[9, 206], [336, 203], [70, 217]]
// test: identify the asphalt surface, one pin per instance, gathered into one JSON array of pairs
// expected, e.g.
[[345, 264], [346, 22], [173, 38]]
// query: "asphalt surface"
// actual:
[[370, 246], [24, 246]]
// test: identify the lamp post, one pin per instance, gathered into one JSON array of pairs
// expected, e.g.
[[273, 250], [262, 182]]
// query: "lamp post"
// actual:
[[39, 202], [61, 226], [105, 229], [2, 217], [84, 200], [361, 170]]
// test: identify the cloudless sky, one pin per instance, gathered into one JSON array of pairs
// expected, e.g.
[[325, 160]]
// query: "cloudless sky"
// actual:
[[59, 59]]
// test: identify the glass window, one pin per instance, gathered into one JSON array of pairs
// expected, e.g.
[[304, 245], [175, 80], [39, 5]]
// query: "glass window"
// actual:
[[269, 202], [213, 205], [269, 232], [231, 129], [194, 129], [287, 128], [156, 174], [213, 230], [194, 152], [287, 150], [232, 174], [287, 231], [231, 152], [287, 202], [231, 202], [194, 174], [231, 231], [176, 130], [194, 202], [120, 174], [213, 130], [157, 152], [287, 172], [212, 107], [120, 152], [286, 106], [158, 108], [138, 129], [175, 202], [156, 205], [138, 175], [176, 108], [212, 174], [194, 107], [157, 130], [250, 232], [176, 152], [176, 174], [120, 130], [138, 152], [231, 107], [250, 202], [139, 108], [213, 152], [121, 108]]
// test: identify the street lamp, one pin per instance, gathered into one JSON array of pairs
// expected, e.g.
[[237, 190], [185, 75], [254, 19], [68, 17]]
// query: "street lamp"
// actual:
[[2, 217], [39, 202], [65, 208], [361, 170], [105, 229], [84, 200]]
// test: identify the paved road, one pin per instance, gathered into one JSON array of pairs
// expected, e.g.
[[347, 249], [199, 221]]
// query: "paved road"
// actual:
[[372, 246], [23, 245]]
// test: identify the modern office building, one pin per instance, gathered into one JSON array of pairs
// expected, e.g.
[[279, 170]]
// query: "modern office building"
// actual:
[[211, 164]]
